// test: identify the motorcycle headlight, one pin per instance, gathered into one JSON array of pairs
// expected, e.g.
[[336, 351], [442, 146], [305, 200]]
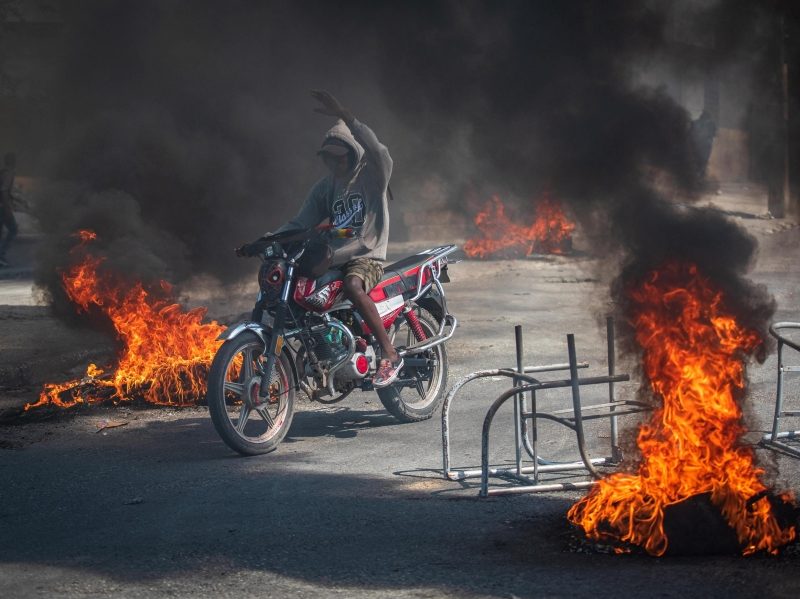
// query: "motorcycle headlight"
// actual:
[[271, 276]]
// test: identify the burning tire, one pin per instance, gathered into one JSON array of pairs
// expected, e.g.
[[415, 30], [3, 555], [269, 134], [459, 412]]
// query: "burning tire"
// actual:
[[418, 401], [248, 424]]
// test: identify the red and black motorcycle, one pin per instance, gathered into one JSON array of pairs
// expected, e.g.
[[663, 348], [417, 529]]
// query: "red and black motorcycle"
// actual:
[[304, 335]]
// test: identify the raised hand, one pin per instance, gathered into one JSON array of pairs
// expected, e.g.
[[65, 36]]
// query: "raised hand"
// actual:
[[330, 105]]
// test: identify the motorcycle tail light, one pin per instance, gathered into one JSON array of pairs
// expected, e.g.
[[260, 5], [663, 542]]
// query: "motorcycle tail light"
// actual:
[[362, 364]]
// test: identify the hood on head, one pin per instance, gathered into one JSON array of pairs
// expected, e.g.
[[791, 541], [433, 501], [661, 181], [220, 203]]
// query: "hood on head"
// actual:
[[341, 132]]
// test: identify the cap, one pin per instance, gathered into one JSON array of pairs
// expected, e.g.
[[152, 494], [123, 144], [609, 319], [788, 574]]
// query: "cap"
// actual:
[[337, 147]]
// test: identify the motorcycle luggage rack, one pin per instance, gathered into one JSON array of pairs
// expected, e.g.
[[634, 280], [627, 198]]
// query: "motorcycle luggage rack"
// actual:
[[777, 439], [528, 477], [447, 327]]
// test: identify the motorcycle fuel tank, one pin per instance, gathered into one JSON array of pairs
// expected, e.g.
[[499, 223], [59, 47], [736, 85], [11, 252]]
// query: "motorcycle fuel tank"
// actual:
[[321, 299]]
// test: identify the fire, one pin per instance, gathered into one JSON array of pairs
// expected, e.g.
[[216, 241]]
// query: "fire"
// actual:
[[165, 353], [694, 352], [550, 232]]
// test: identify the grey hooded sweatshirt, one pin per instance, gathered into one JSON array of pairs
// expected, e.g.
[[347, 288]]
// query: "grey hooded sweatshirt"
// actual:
[[357, 200]]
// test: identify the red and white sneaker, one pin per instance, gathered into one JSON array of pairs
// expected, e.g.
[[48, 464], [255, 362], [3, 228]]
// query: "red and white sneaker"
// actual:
[[387, 373]]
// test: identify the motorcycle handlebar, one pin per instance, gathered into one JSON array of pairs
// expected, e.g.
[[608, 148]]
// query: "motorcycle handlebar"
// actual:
[[259, 245]]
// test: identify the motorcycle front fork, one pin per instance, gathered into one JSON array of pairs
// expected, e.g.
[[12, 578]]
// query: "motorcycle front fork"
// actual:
[[274, 348], [275, 345]]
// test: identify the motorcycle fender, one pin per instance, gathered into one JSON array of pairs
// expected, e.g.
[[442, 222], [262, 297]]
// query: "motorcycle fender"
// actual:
[[263, 333], [433, 304], [246, 325]]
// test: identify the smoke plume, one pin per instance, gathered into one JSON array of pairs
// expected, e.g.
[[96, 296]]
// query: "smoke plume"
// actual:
[[186, 127]]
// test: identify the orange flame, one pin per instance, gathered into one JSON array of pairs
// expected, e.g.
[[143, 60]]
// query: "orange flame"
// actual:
[[165, 353], [548, 233], [694, 352]]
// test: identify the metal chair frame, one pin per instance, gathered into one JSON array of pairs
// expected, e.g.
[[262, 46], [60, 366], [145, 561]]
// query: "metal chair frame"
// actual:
[[772, 440], [526, 437]]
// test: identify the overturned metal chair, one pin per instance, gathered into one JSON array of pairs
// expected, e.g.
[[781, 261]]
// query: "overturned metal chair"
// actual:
[[525, 436], [777, 439]]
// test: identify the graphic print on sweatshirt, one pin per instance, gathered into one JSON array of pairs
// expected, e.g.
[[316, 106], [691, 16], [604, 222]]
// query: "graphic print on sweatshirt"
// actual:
[[348, 212]]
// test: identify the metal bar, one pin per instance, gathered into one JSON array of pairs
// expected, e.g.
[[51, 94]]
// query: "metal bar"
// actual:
[[779, 392], [552, 367], [435, 277], [590, 380], [616, 452], [462, 474], [438, 339], [576, 404], [517, 407], [562, 421], [595, 406], [535, 435], [783, 435], [523, 422], [541, 488], [791, 368], [474, 472], [776, 327], [618, 404], [637, 410], [487, 425], [526, 442], [579, 465]]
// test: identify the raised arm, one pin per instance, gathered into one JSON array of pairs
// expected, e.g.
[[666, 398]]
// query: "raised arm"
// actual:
[[375, 151]]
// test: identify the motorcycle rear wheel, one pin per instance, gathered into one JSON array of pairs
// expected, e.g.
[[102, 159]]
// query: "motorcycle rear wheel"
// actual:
[[414, 404], [233, 383]]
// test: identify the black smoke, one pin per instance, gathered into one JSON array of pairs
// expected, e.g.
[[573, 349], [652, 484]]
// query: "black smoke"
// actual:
[[185, 128], [552, 98]]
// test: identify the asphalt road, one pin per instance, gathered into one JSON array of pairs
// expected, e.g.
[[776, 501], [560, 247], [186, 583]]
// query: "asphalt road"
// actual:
[[353, 504]]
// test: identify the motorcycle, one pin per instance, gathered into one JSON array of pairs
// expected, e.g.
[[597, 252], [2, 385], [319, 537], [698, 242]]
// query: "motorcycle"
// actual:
[[304, 335]]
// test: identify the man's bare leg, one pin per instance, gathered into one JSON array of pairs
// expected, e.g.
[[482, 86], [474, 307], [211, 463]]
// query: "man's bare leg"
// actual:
[[354, 291]]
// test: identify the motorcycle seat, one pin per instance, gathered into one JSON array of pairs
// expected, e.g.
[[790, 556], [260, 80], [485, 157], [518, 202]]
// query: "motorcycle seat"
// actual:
[[399, 278], [406, 269]]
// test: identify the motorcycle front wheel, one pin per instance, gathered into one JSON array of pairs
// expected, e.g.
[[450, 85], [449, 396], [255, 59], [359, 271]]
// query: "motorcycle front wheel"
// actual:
[[419, 391], [248, 425]]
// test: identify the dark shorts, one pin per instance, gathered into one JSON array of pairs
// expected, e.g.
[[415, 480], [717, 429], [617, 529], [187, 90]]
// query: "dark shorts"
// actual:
[[368, 270]]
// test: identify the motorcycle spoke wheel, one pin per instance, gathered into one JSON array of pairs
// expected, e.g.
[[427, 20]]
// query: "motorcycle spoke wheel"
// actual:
[[418, 390], [253, 421], [423, 389]]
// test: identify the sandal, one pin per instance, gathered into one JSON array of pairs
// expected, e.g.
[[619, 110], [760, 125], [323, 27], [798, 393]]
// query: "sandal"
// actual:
[[387, 373]]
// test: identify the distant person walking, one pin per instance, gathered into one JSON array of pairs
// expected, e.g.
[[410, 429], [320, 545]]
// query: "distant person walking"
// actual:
[[7, 220], [703, 131]]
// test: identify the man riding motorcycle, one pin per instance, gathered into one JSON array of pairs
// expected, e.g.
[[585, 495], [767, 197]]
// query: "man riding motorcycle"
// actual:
[[302, 335], [354, 195]]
